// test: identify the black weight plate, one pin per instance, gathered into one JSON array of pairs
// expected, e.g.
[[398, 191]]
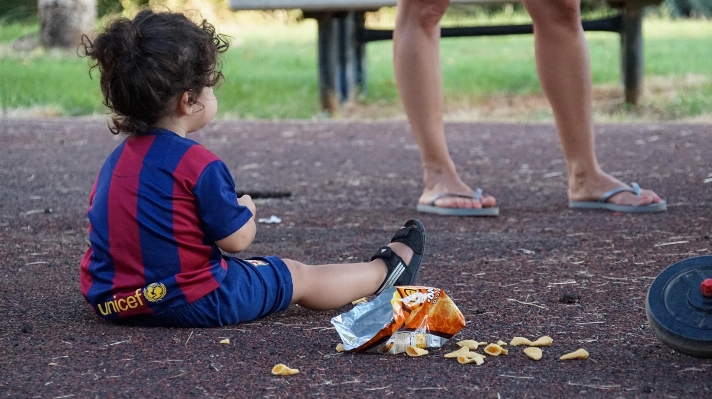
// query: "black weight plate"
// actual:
[[679, 315]]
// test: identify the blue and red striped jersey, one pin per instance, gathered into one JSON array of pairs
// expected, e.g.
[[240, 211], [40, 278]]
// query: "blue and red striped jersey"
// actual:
[[157, 207]]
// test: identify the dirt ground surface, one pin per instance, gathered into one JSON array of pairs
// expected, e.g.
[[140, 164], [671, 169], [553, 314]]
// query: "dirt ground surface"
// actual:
[[341, 189]]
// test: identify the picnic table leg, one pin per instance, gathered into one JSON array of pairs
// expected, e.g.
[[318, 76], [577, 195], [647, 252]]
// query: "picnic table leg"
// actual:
[[328, 62], [347, 57], [360, 53], [341, 58], [632, 52]]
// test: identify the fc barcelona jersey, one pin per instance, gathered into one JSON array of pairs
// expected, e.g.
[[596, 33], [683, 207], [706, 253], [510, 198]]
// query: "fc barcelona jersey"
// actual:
[[156, 209]]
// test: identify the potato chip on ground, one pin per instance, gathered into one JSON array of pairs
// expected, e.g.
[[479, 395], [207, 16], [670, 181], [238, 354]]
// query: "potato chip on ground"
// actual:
[[468, 343], [414, 351], [533, 352], [495, 350], [579, 354], [460, 352], [282, 369], [543, 341], [516, 341]]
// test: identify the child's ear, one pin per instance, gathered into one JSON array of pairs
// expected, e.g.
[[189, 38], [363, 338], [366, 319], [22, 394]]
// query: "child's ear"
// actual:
[[185, 105]]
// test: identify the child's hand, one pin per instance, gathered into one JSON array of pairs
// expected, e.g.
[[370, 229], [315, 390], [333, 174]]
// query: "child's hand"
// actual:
[[246, 200]]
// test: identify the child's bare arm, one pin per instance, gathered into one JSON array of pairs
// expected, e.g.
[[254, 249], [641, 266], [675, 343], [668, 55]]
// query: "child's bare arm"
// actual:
[[242, 238]]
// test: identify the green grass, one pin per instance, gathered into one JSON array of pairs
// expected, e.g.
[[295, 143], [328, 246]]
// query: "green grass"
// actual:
[[54, 82], [11, 30], [271, 72]]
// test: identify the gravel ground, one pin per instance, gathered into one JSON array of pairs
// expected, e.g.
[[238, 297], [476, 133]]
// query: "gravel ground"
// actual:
[[341, 189]]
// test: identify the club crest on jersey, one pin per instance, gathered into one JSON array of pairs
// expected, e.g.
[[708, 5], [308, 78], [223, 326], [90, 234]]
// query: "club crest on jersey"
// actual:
[[257, 262], [154, 292]]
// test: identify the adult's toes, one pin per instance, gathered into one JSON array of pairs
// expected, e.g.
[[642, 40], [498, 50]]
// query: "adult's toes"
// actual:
[[457, 202], [650, 195], [488, 201]]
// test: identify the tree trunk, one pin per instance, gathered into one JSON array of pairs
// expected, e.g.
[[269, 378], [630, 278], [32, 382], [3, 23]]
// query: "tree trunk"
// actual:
[[63, 22]]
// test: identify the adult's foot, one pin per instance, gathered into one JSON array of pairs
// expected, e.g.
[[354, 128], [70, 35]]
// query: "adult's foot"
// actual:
[[583, 188], [438, 182]]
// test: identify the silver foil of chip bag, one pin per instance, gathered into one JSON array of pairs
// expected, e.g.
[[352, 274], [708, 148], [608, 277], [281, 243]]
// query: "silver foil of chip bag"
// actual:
[[423, 317]]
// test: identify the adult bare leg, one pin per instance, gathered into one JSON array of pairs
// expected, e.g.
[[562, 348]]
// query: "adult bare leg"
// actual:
[[416, 54], [564, 72]]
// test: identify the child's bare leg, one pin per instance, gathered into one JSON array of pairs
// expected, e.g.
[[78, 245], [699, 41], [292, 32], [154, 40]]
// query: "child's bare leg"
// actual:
[[324, 287]]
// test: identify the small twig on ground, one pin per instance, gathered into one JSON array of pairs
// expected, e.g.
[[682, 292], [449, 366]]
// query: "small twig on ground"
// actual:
[[690, 369], [671, 243], [527, 303], [594, 386], [376, 389], [564, 282], [517, 376], [186, 341]]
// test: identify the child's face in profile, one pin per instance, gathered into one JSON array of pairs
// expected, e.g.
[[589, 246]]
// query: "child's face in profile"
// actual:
[[208, 109]]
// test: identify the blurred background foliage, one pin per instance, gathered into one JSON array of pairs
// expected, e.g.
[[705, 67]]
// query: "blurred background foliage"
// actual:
[[21, 10], [272, 65]]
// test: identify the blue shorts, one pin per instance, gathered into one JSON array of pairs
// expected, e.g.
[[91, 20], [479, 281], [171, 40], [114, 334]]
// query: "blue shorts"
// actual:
[[252, 288]]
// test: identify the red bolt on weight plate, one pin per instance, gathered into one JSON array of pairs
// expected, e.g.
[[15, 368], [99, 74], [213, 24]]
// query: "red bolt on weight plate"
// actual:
[[707, 288]]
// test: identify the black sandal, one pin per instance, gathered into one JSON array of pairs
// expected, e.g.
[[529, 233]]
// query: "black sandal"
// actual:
[[411, 234]]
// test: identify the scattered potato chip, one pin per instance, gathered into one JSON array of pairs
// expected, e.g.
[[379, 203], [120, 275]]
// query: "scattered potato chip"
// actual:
[[462, 351], [465, 359], [516, 341], [501, 343], [479, 359], [543, 341], [468, 343], [533, 352], [482, 343], [414, 351], [580, 354], [281, 369], [225, 341], [340, 347], [493, 350], [356, 302], [471, 357]]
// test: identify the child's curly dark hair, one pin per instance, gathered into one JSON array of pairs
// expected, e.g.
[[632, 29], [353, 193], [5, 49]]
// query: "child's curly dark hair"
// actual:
[[146, 63]]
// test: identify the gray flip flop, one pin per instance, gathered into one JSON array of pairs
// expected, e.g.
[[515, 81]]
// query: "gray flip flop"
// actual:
[[438, 210], [602, 204]]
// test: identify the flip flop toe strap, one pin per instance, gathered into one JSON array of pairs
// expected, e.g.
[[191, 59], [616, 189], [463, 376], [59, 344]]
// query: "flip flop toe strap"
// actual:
[[476, 196], [635, 190]]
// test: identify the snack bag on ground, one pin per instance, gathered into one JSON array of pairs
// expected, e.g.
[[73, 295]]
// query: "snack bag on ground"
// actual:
[[423, 317]]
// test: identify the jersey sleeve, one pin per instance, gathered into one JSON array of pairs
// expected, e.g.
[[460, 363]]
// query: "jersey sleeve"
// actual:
[[217, 202]]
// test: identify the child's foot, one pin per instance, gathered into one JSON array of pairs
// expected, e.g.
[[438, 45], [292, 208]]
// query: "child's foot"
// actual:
[[412, 234]]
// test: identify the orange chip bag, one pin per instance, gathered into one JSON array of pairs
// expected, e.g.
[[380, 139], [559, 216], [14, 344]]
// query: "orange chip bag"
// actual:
[[423, 317]]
